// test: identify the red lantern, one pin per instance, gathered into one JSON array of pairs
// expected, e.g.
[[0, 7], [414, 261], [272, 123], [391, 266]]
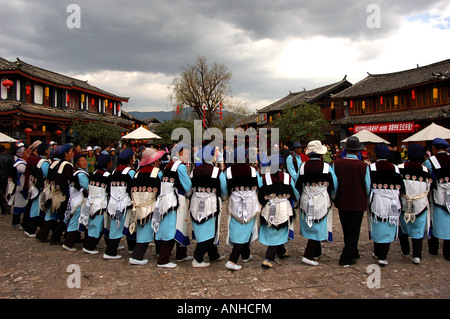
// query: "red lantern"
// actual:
[[350, 129], [178, 110], [381, 100], [7, 83], [28, 90], [413, 94], [417, 127], [68, 98], [58, 132], [351, 104], [28, 130]]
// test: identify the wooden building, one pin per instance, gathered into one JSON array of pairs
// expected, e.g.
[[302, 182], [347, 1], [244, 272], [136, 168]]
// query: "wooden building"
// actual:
[[395, 105], [320, 96], [40, 104]]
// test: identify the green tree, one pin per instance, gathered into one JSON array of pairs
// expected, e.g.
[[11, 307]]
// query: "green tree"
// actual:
[[165, 129], [96, 133], [303, 123]]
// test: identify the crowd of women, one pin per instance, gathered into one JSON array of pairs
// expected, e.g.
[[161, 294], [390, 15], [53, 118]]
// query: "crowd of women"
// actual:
[[62, 199]]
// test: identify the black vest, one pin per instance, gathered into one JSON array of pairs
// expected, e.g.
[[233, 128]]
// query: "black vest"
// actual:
[[143, 182], [202, 180], [241, 178]]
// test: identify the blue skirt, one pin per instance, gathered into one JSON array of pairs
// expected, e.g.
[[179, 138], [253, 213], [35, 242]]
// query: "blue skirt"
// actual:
[[73, 221], [240, 233], [383, 232], [167, 227], [205, 230], [414, 230], [271, 236], [318, 231], [95, 226], [144, 234], [441, 223]]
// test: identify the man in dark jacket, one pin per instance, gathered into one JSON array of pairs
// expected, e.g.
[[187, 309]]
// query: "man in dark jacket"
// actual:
[[351, 197]]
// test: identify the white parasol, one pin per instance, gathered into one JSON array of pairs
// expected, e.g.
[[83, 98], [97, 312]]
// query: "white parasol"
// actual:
[[365, 136], [141, 133], [6, 139], [429, 133]]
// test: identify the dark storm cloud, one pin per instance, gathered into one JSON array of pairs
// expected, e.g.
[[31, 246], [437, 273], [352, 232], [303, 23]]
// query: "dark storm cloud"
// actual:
[[162, 36]]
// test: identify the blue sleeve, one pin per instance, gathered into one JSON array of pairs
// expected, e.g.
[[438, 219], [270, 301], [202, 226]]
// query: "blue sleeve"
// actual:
[[45, 166], [132, 173], [84, 181], [335, 182], [260, 181], [296, 193], [184, 178], [290, 167], [367, 180], [427, 164]]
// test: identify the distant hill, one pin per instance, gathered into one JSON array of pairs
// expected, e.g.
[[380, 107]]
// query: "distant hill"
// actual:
[[160, 115]]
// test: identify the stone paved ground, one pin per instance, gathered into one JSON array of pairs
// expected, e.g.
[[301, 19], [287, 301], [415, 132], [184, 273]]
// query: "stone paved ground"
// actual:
[[30, 269]]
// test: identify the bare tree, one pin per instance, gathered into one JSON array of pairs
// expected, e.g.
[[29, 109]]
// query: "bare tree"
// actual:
[[205, 88]]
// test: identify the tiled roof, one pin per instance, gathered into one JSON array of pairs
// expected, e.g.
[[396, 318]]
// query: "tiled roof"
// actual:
[[53, 77], [429, 113], [297, 98], [378, 83], [65, 113]]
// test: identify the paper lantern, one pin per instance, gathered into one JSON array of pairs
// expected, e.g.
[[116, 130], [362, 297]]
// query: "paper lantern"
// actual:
[[43, 128], [351, 104], [435, 93], [7, 83], [58, 132], [381, 100], [47, 91], [396, 100], [28, 90], [28, 130], [350, 129], [413, 94]]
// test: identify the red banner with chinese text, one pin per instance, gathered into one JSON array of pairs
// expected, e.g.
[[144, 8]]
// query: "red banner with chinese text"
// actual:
[[396, 127]]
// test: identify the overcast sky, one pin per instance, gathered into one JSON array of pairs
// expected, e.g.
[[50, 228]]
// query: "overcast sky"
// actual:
[[136, 48]]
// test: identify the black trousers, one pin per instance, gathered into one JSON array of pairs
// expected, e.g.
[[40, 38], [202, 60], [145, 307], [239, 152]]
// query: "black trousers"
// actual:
[[406, 248], [351, 227], [381, 250], [242, 250], [273, 251], [113, 244], [204, 247], [313, 249], [166, 249], [44, 231], [139, 251], [433, 246], [90, 243]]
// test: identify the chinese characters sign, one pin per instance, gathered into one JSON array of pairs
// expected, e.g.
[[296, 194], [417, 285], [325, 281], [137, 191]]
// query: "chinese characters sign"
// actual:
[[397, 127]]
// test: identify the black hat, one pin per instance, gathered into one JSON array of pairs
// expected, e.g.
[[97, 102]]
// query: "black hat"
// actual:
[[353, 144]]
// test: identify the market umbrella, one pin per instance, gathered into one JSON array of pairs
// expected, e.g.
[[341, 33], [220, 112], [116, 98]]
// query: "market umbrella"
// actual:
[[141, 133], [6, 139], [366, 136], [429, 133]]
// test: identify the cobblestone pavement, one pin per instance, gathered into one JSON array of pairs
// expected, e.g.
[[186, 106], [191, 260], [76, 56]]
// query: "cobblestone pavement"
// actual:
[[31, 269]]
